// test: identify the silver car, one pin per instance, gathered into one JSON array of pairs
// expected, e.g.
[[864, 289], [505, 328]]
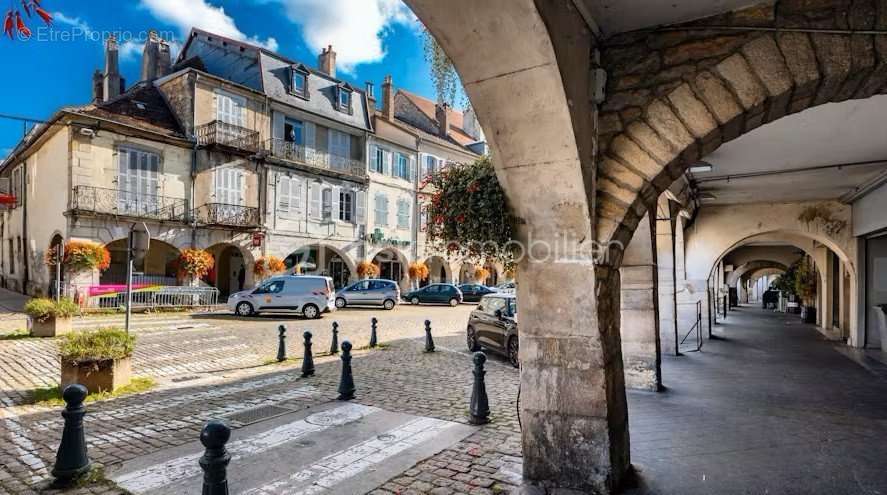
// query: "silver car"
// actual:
[[309, 295], [370, 292]]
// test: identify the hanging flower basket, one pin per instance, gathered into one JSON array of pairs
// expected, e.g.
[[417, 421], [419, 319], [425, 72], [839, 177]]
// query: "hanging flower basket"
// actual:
[[195, 263], [267, 266], [80, 256], [481, 274], [366, 269]]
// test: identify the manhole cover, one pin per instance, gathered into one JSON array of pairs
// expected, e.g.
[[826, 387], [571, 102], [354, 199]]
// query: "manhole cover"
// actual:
[[386, 437], [258, 414]]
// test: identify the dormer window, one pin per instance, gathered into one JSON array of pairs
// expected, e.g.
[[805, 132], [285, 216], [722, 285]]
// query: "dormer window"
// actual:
[[344, 100], [299, 81]]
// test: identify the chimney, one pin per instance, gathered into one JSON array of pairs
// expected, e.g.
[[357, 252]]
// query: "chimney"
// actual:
[[112, 80], [388, 99], [326, 62], [98, 86], [371, 97], [442, 114], [156, 61]]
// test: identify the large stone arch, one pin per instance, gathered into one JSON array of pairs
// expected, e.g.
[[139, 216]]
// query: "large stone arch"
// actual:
[[739, 272], [676, 94]]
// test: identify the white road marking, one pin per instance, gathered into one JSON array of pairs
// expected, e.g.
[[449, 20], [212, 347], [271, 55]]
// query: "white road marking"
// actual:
[[348, 463], [163, 474]]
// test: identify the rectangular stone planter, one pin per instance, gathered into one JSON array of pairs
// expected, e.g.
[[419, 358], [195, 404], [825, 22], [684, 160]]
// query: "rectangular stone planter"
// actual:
[[97, 376], [52, 327]]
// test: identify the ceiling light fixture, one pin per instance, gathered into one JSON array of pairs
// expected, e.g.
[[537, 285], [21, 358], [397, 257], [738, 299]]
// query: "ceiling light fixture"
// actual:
[[701, 167]]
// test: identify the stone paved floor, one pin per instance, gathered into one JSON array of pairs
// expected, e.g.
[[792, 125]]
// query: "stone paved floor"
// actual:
[[768, 408]]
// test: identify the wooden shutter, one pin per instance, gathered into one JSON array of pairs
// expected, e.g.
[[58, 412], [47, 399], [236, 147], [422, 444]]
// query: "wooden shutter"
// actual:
[[361, 207], [284, 196], [314, 200]]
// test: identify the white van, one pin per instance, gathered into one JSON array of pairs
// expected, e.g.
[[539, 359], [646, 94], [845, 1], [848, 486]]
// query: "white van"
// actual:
[[309, 295]]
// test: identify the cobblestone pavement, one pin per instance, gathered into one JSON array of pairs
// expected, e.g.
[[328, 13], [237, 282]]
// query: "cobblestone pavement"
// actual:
[[181, 346], [11, 317]]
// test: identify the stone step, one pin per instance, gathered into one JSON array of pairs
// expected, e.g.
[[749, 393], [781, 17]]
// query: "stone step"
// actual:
[[338, 447]]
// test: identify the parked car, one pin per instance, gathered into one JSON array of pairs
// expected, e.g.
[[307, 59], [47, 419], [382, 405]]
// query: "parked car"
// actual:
[[375, 292], [309, 295], [493, 326], [473, 292], [507, 287], [435, 293]]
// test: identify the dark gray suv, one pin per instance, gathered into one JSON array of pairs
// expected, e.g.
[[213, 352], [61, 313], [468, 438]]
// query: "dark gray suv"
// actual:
[[369, 292], [493, 326]]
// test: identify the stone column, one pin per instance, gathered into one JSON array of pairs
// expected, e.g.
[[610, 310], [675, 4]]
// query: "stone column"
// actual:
[[639, 308], [665, 262]]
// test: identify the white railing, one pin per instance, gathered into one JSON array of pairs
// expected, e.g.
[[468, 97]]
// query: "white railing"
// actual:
[[164, 296]]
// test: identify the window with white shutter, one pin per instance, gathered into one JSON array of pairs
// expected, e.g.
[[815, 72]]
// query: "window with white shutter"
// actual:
[[314, 200], [289, 196], [381, 210], [228, 186], [403, 214], [138, 180], [346, 205], [377, 160], [360, 210], [230, 109], [339, 148]]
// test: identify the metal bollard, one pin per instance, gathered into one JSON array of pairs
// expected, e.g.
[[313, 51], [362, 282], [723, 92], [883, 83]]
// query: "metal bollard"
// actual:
[[281, 343], [479, 408], [346, 382], [215, 459], [308, 359], [334, 345], [429, 341], [373, 340], [71, 460]]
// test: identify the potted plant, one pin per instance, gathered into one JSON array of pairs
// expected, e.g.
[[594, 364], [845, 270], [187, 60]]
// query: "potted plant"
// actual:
[[805, 288], [50, 318], [481, 274], [100, 360], [366, 269], [195, 263], [418, 272], [268, 266]]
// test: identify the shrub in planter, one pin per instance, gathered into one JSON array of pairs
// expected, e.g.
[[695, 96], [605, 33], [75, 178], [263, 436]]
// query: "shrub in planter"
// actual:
[[50, 318], [100, 360]]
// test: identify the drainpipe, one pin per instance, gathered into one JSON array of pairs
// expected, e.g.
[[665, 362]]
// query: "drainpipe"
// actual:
[[26, 273], [193, 138], [674, 278]]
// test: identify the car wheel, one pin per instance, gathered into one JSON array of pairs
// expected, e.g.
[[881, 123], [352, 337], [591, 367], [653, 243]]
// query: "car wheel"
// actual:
[[244, 309], [388, 304], [311, 312], [414, 301], [454, 302], [513, 355], [340, 302], [471, 339]]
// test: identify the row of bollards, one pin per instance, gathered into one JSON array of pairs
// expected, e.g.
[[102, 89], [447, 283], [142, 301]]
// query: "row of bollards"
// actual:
[[72, 460]]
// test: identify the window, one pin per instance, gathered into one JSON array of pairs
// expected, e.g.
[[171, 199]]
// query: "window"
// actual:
[[272, 287], [403, 214], [230, 109], [344, 100], [18, 184], [327, 200], [346, 205], [362, 285], [293, 131], [430, 165], [493, 304], [138, 180], [300, 82], [377, 160], [340, 148], [381, 210], [228, 186], [289, 196], [402, 168], [423, 218]]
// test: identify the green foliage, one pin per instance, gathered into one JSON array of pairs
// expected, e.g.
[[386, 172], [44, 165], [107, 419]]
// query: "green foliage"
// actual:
[[52, 396], [443, 74], [805, 281], [97, 345], [469, 215], [43, 309], [16, 335]]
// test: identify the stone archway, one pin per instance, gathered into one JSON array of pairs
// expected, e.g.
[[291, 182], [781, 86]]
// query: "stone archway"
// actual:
[[232, 271], [439, 270], [392, 266], [322, 259], [159, 266]]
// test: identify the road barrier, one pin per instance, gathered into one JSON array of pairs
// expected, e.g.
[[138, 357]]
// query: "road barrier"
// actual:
[[308, 358]]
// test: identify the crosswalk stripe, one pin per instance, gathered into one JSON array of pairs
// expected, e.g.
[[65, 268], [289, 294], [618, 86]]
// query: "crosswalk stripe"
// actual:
[[172, 471], [348, 463]]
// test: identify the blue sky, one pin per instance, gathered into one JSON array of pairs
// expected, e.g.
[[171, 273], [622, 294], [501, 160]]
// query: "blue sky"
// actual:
[[54, 68]]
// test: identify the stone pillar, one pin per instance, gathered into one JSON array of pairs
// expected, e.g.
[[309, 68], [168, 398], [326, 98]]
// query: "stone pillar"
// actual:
[[639, 308], [666, 283]]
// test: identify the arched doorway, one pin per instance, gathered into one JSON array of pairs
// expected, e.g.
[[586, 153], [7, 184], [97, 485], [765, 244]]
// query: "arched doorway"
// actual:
[[321, 259], [159, 267], [56, 276], [466, 273], [438, 271], [392, 266], [229, 274]]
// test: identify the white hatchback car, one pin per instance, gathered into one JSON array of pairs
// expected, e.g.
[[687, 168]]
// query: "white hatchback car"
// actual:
[[306, 294]]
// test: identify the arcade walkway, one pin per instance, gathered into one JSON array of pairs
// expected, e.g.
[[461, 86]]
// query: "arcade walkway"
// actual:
[[768, 407]]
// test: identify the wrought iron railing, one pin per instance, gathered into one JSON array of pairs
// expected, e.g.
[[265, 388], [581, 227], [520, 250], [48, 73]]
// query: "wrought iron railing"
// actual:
[[101, 200], [287, 150], [225, 134], [227, 215], [695, 344]]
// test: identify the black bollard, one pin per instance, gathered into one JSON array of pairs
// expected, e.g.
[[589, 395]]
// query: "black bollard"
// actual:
[[429, 341], [281, 343], [334, 345], [71, 461], [308, 360], [373, 340], [215, 459], [480, 406], [346, 382]]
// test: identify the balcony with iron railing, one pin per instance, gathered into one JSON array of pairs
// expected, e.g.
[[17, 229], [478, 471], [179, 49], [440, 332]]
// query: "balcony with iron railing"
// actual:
[[118, 202], [290, 151], [225, 215], [228, 135]]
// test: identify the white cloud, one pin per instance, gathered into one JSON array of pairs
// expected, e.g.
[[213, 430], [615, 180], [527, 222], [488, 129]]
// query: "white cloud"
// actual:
[[355, 28], [75, 22], [201, 14]]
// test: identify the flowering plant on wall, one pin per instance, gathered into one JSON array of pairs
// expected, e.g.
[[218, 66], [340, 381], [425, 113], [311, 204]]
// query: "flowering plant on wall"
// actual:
[[468, 215], [195, 262], [14, 22], [80, 256], [267, 266], [366, 269]]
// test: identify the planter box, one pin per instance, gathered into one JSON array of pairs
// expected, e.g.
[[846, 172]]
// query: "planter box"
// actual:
[[52, 327], [881, 318], [97, 376]]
